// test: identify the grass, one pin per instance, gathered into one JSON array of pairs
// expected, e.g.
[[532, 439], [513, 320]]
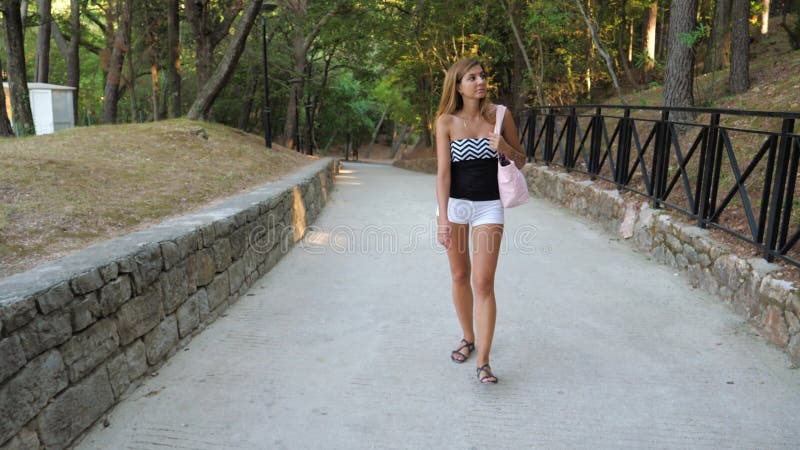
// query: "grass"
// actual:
[[62, 192]]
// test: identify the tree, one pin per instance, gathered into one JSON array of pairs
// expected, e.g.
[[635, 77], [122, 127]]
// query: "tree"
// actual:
[[17, 73], [739, 80], [205, 98], [42, 64], [69, 50], [211, 23], [679, 71], [174, 59], [5, 124], [650, 35], [717, 55], [765, 18], [119, 11]]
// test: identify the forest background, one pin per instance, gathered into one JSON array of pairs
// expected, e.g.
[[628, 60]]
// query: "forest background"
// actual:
[[340, 70]]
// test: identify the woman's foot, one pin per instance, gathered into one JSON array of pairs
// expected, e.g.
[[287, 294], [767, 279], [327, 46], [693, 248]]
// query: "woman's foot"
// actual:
[[461, 354], [485, 375]]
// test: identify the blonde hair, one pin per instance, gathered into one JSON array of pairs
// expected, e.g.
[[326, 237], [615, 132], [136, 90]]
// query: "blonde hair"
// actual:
[[451, 99]]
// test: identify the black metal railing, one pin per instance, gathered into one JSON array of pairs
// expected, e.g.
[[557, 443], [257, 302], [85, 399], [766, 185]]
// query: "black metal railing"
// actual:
[[733, 170]]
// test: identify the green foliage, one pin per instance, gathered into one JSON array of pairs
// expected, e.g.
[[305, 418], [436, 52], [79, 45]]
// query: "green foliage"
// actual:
[[695, 36]]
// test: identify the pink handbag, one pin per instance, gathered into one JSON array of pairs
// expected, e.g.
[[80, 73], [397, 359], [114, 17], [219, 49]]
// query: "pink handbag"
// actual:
[[510, 181]]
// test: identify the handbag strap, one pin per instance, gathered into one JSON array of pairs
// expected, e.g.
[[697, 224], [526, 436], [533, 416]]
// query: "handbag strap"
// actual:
[[498, 126], [498, 121]]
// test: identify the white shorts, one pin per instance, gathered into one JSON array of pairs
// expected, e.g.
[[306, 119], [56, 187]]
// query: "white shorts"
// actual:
[[474, 213]]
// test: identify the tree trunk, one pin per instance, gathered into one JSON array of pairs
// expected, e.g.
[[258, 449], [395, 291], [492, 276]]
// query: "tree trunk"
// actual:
[[42, 64], [603, 52], [794, 35], [720, 32], [121, 44], [765, 18], [72, 57], [377, 130], [650, 35], [739, 80], [156, 90], [252, 87], [174, 67], [399, 142], [290, 127], [679, 72], [205, 98], [5, 124], [17, 75], [209, 26]]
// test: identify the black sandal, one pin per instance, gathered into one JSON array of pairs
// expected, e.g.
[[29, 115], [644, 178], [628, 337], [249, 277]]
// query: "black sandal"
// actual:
[[489, 378], [470, 346]]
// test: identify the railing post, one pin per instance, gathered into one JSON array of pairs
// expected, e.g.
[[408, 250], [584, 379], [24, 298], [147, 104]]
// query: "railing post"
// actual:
[[596, 143], [624, 149], [529, 148], [778, 190], [658, 180], [569, 148], [707, 165], [549, 132]]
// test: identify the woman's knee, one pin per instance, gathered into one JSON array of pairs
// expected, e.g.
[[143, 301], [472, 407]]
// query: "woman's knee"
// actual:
[[484, 287], [460, 276]]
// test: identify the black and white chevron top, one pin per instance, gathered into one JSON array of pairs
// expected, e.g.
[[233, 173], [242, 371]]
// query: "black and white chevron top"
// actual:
[[473, 170]]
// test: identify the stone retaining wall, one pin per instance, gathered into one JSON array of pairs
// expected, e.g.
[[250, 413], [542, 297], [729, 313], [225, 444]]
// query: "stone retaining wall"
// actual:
[[77, 333], [749, 285]]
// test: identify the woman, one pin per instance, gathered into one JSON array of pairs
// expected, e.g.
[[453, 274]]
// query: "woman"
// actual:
[[466, 189]]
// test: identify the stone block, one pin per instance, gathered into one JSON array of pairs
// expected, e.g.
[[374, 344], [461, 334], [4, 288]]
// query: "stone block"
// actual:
[[127, 264], [161, 340], [236, 275], [24, 440], [681, 261], [793, 349], [45, 332], [58, 297], [136, 357], [191, 274], [793, 322], [219, 290], [222, 254], [109, 272], [140, 315], [175, 285], [87, 282], [29, 390], [115, 294], [690, 253], [12, 357], [149, 265], [208, 234], [203, 308], [170, 254], [85, 312], [238, 242], [775, 329], [117, 368], [87, 350], [188, 314], [674, 244], [72, 412], [17, 313], [223, 227], [189, 243], [239, 219], [204, 266]]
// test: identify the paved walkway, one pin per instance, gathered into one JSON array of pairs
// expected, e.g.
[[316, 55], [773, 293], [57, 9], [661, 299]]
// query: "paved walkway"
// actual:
[[345, 345]]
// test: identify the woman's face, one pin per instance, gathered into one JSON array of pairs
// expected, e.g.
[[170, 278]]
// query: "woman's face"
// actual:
[[473, 84]]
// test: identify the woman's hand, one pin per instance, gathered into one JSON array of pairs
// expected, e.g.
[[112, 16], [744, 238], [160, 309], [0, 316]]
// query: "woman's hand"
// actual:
[[444, 232], [498, 143]]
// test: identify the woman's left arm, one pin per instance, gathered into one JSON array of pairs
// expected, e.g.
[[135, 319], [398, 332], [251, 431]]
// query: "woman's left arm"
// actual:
[[508, 144]]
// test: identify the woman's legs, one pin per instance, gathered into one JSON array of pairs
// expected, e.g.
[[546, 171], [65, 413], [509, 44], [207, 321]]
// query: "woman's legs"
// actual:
[[485, 251], [458, 254]]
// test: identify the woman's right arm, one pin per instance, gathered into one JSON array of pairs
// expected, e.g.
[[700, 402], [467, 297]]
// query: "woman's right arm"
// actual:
[[443, 178]]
